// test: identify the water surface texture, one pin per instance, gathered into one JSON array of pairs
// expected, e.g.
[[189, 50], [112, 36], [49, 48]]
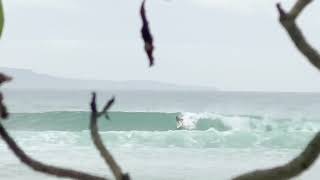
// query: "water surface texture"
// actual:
[[224, 133]]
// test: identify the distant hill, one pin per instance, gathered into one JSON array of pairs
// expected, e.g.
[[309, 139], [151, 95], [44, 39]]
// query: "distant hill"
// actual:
[[27, 79]]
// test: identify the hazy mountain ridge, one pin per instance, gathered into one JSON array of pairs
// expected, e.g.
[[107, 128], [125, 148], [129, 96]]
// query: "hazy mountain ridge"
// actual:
[[27, 79]]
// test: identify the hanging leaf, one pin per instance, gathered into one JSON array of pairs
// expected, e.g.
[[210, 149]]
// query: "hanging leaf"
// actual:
[[146, 35], [1, 18]]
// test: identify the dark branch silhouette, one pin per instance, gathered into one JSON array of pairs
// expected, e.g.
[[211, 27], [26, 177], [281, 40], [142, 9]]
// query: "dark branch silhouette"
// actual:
[[288, 21], [3, 109], [105, 154], [291, 169], [305, 160], [34, 164], [146, 35], [4, 78]]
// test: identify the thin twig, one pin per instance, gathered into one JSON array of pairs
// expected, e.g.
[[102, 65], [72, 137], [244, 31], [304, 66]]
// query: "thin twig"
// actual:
[[34, 164], [288, 22], [106, 108], [105, 154]]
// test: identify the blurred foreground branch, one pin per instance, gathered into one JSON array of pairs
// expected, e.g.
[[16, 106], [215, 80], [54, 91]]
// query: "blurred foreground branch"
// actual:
[[105, 154], [32, 163], [305, 160], [288, 21]]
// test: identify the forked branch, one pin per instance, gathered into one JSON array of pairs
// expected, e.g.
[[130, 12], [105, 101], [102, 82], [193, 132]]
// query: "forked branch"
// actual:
[[288, 21], [34, 164], [311, 152], [105, 154]]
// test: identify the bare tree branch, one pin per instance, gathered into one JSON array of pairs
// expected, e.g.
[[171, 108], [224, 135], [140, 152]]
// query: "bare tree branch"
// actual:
[[41, 167], [4, 78], [3, 109], [311, 152], [291, 169], [34, 164], [288, 22], [106, 108], [115, 168], [298, 7]]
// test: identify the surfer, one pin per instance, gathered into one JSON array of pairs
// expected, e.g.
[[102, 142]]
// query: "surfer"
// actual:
[[179, 120]]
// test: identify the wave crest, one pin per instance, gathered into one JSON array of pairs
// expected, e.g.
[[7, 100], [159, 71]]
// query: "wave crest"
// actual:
[[152, 121]]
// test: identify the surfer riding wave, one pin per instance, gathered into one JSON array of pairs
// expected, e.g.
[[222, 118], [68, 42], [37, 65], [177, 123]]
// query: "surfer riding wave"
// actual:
[[179, 120]]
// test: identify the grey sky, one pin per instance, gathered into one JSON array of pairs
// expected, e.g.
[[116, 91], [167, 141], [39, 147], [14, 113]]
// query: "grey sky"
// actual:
[[229, 44]]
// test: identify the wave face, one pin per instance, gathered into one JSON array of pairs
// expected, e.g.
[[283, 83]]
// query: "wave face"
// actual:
[[202, 130], [228, 132]]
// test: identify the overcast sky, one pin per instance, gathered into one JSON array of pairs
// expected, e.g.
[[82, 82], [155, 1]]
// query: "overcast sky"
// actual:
[[235, 45]]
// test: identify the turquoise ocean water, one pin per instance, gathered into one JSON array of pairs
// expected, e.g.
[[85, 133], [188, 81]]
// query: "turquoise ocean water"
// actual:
[[224, 134]]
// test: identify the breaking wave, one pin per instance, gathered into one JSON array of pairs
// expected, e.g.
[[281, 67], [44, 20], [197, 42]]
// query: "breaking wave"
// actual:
[[155, 121], [202, 130]]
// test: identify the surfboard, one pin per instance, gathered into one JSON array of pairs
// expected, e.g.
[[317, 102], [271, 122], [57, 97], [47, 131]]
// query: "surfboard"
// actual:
[[179, 124]]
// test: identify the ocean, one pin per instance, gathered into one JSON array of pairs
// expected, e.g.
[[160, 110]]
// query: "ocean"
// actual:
[[224, 133]]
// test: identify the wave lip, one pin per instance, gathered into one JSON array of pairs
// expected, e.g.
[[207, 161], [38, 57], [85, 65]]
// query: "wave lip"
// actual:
[[151, 129], [155, 121]]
